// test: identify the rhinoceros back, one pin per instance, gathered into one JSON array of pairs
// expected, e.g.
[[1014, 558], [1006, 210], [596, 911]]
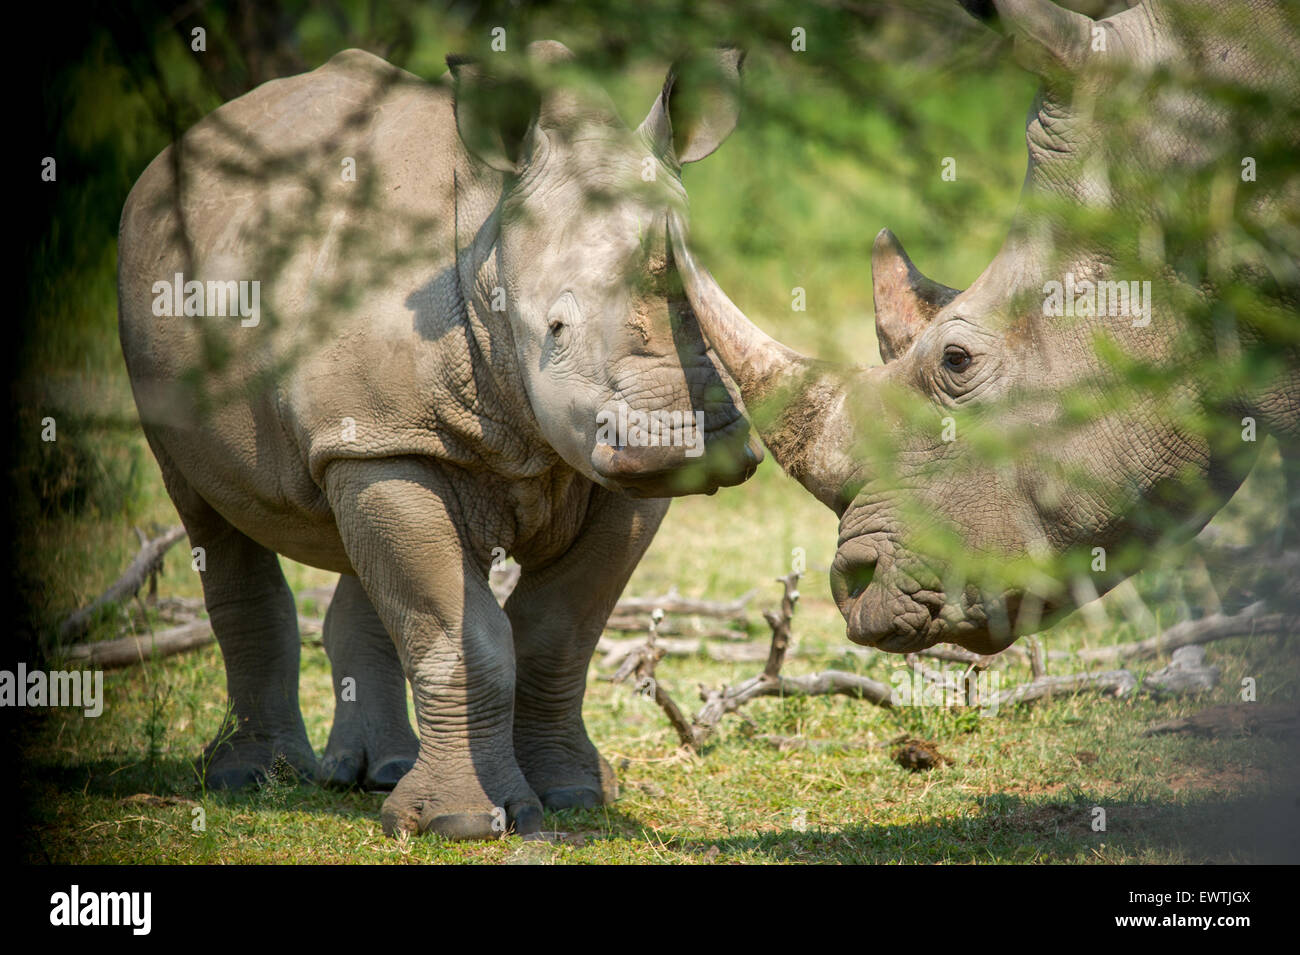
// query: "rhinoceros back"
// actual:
[[317, 212]]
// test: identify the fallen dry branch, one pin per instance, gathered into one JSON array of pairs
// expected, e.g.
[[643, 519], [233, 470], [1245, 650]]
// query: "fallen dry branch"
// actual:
[[1187, 673], [144, 565], [140, 648], [616, 651], [126, 651], [721, 701], [1111, 682], [641, 663], [952, 654], [624, 624], [1235, 719], [673, 602], [1252, 620], [717, 703]]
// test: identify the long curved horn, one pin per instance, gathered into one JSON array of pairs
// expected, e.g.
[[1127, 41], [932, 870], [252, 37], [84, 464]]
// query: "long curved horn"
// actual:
[[795, 402]]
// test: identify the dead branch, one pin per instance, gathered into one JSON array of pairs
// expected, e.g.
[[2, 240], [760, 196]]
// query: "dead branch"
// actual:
[[1037, 663], [673, 602], [946, 651], [128, 651], [1186, 673], [1254, 619], [721, 701], [718, 703], [625, 624], [641, 663], [616, 651], [933, 676], [1111, 682], [144, 565], [780, 624], [1235, 719]]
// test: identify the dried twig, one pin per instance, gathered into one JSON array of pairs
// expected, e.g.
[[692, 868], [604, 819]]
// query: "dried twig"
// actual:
[[125, 651], [1254, 619], [1037, 664], [721, 701], [673, 602], [144, 565], [616, 651], [691, 626], [1111, 682]]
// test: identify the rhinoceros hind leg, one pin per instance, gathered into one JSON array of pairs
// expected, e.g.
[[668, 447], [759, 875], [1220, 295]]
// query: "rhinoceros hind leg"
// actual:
[[371, 744], [252, 613]]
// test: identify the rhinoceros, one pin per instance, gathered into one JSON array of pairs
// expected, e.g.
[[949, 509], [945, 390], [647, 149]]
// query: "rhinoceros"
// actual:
[[1016, 455], [395, 329]]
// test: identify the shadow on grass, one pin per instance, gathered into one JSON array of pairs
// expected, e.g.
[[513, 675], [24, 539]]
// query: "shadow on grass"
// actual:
[[1261, 828], [1011, 829]]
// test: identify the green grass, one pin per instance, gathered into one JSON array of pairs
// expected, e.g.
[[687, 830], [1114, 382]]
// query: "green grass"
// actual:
[[1017, 788]]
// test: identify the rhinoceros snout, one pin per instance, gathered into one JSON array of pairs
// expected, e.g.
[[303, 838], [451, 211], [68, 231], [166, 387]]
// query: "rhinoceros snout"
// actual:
[[728, 457]]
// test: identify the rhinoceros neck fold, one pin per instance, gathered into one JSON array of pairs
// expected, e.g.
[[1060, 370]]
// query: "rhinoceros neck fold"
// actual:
[[498, 386]]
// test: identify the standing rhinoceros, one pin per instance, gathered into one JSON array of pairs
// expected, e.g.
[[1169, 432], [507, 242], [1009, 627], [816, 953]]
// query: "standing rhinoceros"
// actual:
[[1026, 441], [383, 327]]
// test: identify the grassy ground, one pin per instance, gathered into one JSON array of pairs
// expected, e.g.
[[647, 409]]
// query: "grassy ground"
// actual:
[[773, 210], [1021, 786]]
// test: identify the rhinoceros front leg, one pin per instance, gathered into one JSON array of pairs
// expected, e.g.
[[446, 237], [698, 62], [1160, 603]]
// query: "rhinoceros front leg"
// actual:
[[371, 744], [557, 614], [403, 534]]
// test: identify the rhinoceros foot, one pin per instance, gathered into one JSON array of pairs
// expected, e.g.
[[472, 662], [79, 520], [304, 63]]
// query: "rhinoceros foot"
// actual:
[[350, 770], [371, 754], [566, 774], [248, 759], [463, 805]]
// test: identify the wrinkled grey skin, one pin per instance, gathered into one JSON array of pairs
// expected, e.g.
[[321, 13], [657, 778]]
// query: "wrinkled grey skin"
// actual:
[[383, 421], [868, 442]]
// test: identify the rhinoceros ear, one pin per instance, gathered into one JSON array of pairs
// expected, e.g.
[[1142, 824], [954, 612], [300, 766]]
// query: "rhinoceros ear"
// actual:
[[698, 106], [906, 301], [493, 114], [1049, 39]]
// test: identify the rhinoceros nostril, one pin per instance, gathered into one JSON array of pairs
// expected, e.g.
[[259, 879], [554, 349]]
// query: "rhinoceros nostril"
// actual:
[[859, 579]]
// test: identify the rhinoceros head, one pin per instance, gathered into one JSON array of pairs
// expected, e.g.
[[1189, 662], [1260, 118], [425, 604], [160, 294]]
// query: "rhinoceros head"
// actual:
[[1016, 454], [614, 363]]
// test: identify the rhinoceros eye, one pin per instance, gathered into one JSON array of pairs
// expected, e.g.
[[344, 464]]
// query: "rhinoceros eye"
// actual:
[[956, 358], [563, 313]]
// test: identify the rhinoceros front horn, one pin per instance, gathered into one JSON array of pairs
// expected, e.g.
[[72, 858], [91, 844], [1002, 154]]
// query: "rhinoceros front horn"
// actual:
[[795, 402]]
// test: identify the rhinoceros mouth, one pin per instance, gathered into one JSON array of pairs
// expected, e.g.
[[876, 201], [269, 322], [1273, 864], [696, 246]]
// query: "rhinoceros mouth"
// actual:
[[887, 617], [729, 455]]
